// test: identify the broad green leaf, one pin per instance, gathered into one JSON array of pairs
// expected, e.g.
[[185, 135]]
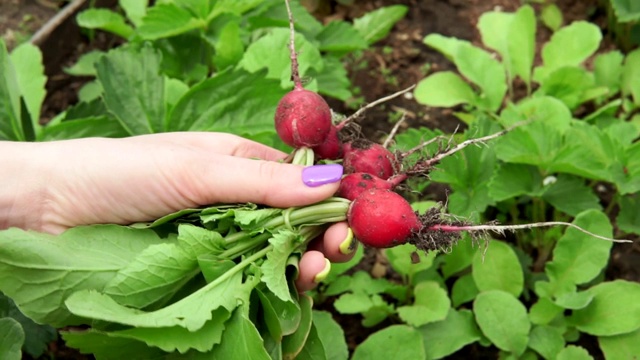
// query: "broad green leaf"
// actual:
[[574, 300], [571, 195], [133, 88], [229, 48], [174, 90], [631, 76], [37, 272], [445, 337], [513, 180], [10, 110], [544, 109], [169, 339], [551, 16], [629, 216], [460, 257], [498, 269], [538, 142], [626, 10], [569, 84], [11, 339], [340, 37], [90, 91], [104, 19], [503, 319], [85, 66], [293, 344], [177, 338], [234, 7], [444, 89], [29, 67], [161, 270], [281, 317], [573, 352], [431, 304], [544, 311], [521, 42], [624, 346], [166, 20], [468, 173], [399, 342], [546, 341], [630, 182], [83, 128], [402, 261], [103, 347], [601, 160], [314, 348], [463, 290], [333, 79], [569, 46], [331, 335], [477, 65], [577, 257], [274, 267], [373, 308], [235, 102], [375, 25], [512, 35], [614, 309], [36, 337], [134, 9], [272, 52], [191, 312], [607, 70], [240, 339], [274, 14]]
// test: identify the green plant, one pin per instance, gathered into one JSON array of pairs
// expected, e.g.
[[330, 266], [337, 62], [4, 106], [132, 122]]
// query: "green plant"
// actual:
[[504, 297], [624, 22]]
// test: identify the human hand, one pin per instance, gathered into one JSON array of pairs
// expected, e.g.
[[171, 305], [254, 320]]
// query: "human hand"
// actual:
[[69, 183]]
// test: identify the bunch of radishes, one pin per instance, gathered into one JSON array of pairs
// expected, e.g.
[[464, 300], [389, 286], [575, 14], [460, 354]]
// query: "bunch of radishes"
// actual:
[[378, 216]]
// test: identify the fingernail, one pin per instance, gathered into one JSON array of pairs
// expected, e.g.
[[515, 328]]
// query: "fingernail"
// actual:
[[349, 243], [323, 274], [317, 175]]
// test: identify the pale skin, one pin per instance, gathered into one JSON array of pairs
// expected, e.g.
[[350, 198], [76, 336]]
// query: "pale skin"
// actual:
[[52, 186]]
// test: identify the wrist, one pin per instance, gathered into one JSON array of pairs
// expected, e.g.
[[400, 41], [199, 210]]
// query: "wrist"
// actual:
[[22, 185]]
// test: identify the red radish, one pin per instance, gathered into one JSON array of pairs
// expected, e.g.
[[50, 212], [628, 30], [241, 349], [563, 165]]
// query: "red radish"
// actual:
[[369, 157], [331, 148], [303, 118], [354, 184], [382, 218]]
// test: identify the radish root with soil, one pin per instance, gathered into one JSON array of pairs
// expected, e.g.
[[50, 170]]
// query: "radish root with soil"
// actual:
[[379, 216]]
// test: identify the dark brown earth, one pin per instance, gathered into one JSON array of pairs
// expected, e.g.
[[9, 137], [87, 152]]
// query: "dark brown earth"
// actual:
[[389, 66]]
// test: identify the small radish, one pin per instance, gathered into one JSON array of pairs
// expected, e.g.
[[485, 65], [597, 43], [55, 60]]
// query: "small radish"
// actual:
[[331, 148], [369, 157], [303, 118], [382, 218], [354, 184]]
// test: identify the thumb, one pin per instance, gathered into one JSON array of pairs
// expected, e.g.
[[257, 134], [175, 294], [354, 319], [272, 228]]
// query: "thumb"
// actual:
[[267, 182]]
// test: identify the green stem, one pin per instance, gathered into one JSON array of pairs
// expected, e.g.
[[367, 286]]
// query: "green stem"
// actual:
[[331, 210]]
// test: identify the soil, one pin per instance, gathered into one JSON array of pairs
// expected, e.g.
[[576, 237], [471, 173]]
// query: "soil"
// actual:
[[391, 65]]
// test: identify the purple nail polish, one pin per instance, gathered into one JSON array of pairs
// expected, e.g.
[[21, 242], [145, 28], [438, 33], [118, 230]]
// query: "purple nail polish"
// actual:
[[317, 175]]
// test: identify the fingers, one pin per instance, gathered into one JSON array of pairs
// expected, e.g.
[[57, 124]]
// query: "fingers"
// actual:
[[214, 143], [231, 179], [336, 245], [314, 267]]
